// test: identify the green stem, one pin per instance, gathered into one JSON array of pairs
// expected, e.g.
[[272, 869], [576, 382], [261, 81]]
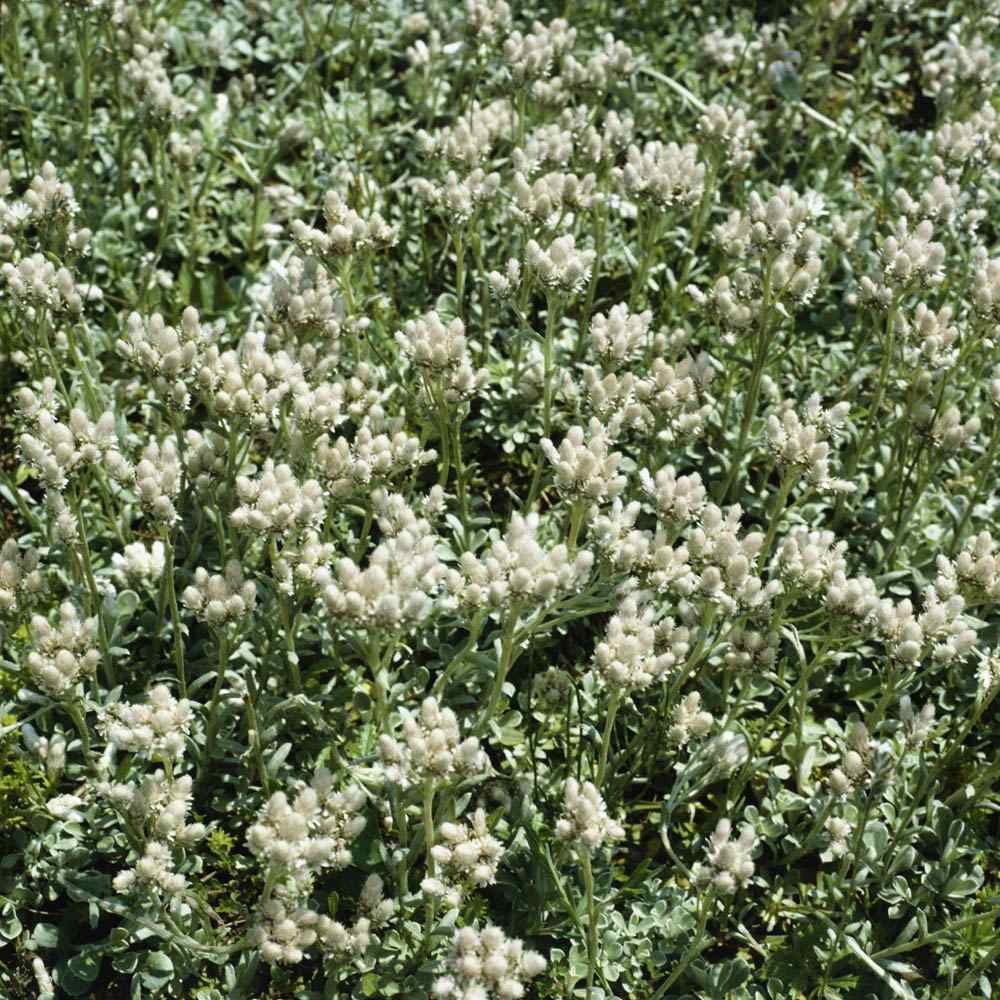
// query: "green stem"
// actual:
[[575, 521], [75, 713], [778, 508], [214, 720], [175, 615], [250, 701], [474, 632], [609, 725], [551, 322], [96, 604], [429, 849], [588, 885], [507, 646], [698, 945], [761, 344]]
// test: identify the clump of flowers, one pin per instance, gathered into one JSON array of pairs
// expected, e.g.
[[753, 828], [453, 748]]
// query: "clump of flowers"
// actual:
[[729, 866], [431, 748], [487, 963]]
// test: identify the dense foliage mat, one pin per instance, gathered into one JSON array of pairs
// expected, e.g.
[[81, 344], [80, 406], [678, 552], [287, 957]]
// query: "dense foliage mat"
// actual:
[[497, 500]]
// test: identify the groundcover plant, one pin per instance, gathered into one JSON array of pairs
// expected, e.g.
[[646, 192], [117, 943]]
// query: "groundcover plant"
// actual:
[[497, 499]]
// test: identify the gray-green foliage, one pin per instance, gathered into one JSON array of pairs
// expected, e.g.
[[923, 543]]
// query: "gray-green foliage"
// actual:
[[498, 502]]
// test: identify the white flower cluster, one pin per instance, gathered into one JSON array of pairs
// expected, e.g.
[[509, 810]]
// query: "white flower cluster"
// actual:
[[154, 92], [809, 560], [916, 725], [374, 911], [485, 20], [612, 61], [22, 579], [907, 259], [48, 207], [553, 144], [986, 288], [138, 563], [304, 297], [584, 467], [801, 444], [854, 598], [379, 453], [218, 599], [158, 477], [505, 284], [441, 351], [51, 751], [550, 197], [689, 720], [729, 134], [59, 655], [431, 748], [663, 174], [161, 806], [972, 143], [637, 650], [778, 223], [277, 503], [562, 266], [249, 384], [283, 933], [947, 430], [156, 729], [929, 338], [205, 461], [730, 49], [975, 571], [487, 965], [865, 763], [471, 139], [530, 56], [721, 563], [312, 832], [839, 829], [466, 855], [302, 564], [347, 232], [585, 821], [458, 197], [633, 549], [620, 335], [518, 570], [169, 356], [730, 301], [399, 586], [729, 859], [675, 397], [747, 649], [36, 283], [939, 201], [666, 400], [778, 231], [327, 404], [677, 500], [953, 65], [58, 450]]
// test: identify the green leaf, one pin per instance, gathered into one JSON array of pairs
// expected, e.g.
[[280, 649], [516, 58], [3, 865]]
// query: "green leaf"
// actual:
[[10, 926], [45, 935], [159, 970], [76, 975]]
